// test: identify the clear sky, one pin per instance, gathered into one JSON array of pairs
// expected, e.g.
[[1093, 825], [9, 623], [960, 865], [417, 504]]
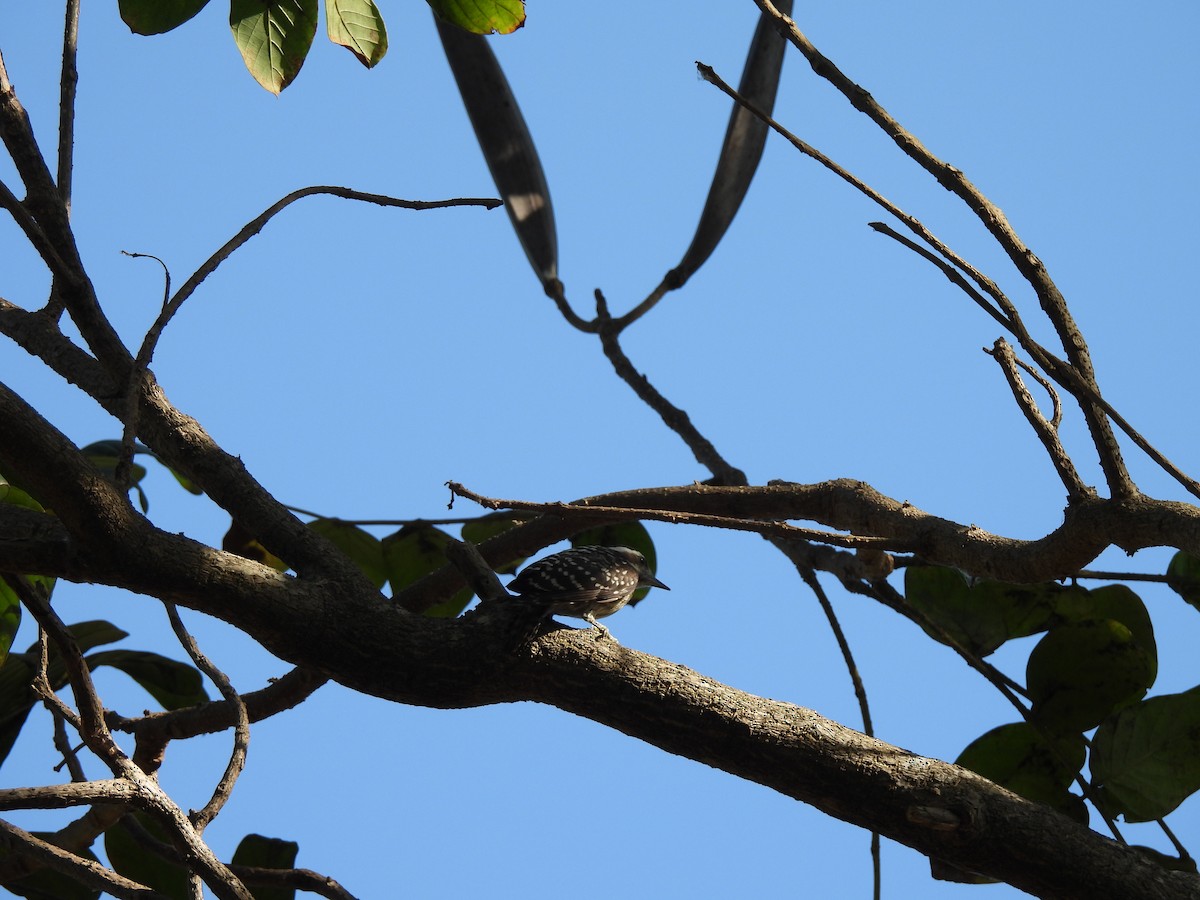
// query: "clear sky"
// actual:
[[356, 358]]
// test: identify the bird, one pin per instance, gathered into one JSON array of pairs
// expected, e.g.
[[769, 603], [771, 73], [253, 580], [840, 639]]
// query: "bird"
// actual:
[[587, 583]]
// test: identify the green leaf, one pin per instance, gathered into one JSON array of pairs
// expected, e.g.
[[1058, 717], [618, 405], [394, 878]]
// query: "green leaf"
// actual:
[[10, 618], [415, 551], [357, 26], [1021, 759], [364, 549], [131, 859], [16, 700], [89, 634], [274, 37], [158, 16], [48, 884], [267, 853], [481, 16], [479, 530], [944, 598], [14, 496], [172, 683], [1115, 601], [1146, 759], [623, 534], [188, 485], [1080, 673], [1183, 577]]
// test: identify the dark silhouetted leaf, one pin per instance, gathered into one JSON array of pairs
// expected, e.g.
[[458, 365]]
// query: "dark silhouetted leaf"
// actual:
[[16, 700], [158, 16], [1080, 673], [274, 37], [507, 146], [172, 683], [1146, 759], [745, 138], [10, 618], [357, 26], [415, 551], [944, 598], [267, 853], [131, 859], [481, 16], [1114, 601]]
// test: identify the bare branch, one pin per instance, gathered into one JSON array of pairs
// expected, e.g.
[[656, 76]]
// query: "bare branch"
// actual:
[[300, 879], [66, 103], [255, 225], [241, 732], [1026, 262], [75, 793], [1047, 433], [17, 843], [673, 417], [769, 529]]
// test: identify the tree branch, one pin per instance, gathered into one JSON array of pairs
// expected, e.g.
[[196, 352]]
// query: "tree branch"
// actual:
[[1026, 262]]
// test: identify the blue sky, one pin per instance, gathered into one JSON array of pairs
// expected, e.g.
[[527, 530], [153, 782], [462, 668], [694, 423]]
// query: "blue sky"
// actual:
[[356, 358]]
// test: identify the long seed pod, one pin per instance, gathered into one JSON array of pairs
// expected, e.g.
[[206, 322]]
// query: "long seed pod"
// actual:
[[744, 141], [507, 145]]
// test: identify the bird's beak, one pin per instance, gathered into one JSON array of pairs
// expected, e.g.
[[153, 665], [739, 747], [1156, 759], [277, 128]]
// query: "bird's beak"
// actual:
[[651, 581]]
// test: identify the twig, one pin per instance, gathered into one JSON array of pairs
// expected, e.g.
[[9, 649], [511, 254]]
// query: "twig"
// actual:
[[673, 417], [70, 755], [96, 735], [1120, 576], [33, 232], [767, 528], [1006, 319], [66, 103], [1046, 432], [993, 219], [141, 363], [809, 576], [301, 879], [41, 685], [241, 732], [255, 225]]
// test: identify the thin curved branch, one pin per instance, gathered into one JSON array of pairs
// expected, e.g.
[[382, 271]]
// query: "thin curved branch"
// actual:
[[154, 730], [255, 225], [1077, 491], [673, 417], [1059, 369], [298, 879], [241, 731]]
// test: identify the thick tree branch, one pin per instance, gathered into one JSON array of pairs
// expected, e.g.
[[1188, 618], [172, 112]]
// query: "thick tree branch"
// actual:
[[16, 843], [430, 662]]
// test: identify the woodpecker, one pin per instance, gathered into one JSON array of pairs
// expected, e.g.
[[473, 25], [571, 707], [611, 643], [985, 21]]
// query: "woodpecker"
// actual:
[[588, 583]]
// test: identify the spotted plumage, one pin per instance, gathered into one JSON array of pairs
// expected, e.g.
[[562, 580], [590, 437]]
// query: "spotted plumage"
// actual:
[[586, 582]]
